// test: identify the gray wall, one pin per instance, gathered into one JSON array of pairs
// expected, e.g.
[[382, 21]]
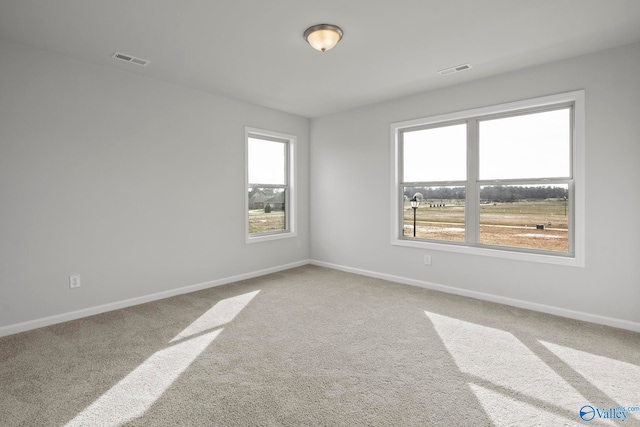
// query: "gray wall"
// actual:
[[351, 225], [134, 184], [138, 186]]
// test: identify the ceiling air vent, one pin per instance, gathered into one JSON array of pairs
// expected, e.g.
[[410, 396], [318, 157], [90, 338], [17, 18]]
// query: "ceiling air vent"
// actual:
[[455, 69], [129, 58]]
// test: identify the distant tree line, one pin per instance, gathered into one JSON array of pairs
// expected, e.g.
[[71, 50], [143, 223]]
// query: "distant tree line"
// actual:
[[426, 193], [494, 193], [501, 193]]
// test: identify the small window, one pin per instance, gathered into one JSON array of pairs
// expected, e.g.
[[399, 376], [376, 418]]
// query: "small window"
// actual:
[[504, 181], [270, 196]]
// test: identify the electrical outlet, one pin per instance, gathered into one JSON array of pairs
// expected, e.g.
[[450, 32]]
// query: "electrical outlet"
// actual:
[[74, 281], [427, 260]]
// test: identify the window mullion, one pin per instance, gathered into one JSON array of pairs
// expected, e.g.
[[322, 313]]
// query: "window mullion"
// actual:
[[472, 202]]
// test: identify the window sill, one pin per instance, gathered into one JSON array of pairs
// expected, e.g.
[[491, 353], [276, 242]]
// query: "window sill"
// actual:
[[268, 237]]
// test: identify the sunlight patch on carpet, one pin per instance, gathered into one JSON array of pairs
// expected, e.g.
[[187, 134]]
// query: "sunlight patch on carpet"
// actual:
[[134, 394], [137, 392], [499, 361], [220, 314], [620, 381], [506, 411]]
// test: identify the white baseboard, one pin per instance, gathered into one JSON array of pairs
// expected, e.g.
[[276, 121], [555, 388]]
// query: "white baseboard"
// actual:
[[558, 311], [90, 311]]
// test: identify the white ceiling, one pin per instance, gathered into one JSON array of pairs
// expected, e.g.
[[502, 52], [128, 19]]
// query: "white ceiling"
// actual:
[[253, 50]]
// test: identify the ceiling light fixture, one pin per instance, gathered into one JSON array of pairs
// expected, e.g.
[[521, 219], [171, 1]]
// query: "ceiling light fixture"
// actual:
[[323, 37]]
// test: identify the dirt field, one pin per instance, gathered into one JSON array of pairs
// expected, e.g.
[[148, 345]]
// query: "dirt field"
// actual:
[[519, 237], [260, 222], [503, 224]]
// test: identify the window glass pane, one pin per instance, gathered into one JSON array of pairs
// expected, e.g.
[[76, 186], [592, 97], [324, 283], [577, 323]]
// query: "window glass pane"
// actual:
[[439, 216], [266, 161], [436, 154], [533, 217], [267, 207], [534, 145]]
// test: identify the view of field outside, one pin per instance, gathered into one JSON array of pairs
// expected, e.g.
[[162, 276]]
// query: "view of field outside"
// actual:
[[530, 147], [533, 217], [266, 210], [261, 222], [267, 194]]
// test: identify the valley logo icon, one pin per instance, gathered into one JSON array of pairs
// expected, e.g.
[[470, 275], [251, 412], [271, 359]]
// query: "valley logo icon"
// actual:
[[589, 413]]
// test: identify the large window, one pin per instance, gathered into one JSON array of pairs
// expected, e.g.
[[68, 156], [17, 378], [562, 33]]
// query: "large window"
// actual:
[[270, 199], [503, 181]]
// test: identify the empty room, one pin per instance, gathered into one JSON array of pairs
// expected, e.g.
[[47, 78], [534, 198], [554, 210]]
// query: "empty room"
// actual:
[[283, 213]]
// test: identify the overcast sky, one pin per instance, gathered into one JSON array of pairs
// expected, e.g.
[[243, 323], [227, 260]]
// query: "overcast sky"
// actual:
[[266, 162], [530, 146]]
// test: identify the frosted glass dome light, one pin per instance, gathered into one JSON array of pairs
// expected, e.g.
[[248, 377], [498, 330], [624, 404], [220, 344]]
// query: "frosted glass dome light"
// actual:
[[323, 37]]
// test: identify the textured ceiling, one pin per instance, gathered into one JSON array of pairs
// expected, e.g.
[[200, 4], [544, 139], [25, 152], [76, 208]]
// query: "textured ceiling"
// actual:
[[253, 50]]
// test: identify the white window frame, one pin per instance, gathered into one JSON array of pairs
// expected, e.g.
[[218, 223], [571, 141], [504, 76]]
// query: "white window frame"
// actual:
[[576, 256], [290, 185]]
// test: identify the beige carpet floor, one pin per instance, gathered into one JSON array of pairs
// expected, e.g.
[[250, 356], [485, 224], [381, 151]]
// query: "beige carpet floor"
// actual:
[[313, 346]]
